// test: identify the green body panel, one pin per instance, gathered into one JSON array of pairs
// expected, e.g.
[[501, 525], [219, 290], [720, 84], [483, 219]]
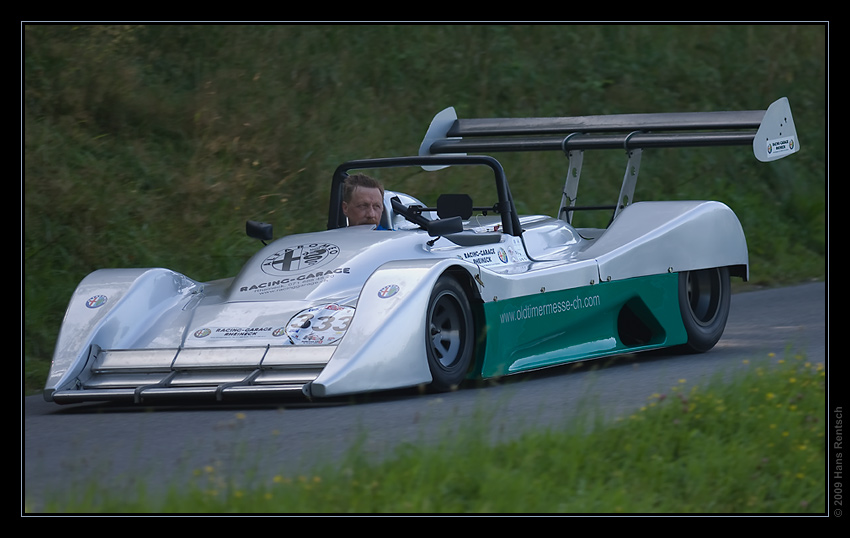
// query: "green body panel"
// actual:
[[552, 328]]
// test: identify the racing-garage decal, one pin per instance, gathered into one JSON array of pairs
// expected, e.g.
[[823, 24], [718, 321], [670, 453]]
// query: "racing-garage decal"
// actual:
[[508, 252], [297, 266], [312, 278], [218, 333], [486, 256]]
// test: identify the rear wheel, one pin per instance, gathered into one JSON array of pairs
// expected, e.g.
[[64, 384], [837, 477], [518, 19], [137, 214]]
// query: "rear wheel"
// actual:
[[449, 335], [704, 300]]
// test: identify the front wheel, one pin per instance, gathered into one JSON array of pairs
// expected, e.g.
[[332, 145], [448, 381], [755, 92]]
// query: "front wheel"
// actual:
[[449, 333], [704, 300]]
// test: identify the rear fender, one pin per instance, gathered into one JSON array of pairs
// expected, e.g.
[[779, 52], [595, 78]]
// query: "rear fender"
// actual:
[[649, 238], [109, 309]]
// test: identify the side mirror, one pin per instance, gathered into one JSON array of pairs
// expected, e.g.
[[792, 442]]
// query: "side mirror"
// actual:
[[259, 230]]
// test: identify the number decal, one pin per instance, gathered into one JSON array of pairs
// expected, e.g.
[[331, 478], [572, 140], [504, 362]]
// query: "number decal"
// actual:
[[345, 320], [318, 325], [301, 321]]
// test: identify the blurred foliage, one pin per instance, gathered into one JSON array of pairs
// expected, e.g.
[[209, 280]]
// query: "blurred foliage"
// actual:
[[150, 145]]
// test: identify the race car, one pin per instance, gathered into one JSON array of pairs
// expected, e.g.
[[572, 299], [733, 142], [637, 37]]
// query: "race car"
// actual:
[[437, 294]]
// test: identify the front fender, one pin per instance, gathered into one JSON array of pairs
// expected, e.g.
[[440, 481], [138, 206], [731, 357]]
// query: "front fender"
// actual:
[[384, 347], [109, 308]]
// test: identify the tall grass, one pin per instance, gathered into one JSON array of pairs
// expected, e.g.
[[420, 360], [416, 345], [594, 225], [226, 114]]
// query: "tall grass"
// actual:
[[151, 145], [754, 444]]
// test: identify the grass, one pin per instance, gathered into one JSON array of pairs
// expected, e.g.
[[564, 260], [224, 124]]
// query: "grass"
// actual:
[[751, 445]]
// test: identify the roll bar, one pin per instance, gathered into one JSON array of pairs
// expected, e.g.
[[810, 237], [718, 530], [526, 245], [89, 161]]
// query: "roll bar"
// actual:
[[505, 206]]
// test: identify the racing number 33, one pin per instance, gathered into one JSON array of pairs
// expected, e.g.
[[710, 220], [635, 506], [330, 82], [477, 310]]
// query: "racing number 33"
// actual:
[[337, 321]]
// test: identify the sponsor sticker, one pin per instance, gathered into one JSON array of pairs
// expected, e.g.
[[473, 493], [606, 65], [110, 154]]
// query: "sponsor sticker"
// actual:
[[299, 258], [780, 146], [96, 302], [295, 282], [388, 291], [215, 333], [486, 256]]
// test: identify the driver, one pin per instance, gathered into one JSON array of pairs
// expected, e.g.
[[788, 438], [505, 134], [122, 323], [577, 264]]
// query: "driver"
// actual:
[[363, 200]]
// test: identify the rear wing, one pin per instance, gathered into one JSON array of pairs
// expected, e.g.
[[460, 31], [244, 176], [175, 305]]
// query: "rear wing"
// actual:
[[771, 133]]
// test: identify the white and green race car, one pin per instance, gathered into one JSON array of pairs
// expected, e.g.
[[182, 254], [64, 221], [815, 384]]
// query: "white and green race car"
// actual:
[[437, 294]]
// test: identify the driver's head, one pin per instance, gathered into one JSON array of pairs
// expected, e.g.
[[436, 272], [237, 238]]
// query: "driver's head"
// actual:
[[362, 200]]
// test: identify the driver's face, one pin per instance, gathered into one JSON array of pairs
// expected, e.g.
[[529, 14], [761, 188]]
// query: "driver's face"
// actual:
[[365, 207]]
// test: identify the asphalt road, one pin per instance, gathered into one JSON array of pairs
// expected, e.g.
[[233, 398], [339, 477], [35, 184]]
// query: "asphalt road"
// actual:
[[67, 446]]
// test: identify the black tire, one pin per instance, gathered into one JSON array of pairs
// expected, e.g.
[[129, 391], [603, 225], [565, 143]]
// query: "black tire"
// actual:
[[449, 335], [704, 300]]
